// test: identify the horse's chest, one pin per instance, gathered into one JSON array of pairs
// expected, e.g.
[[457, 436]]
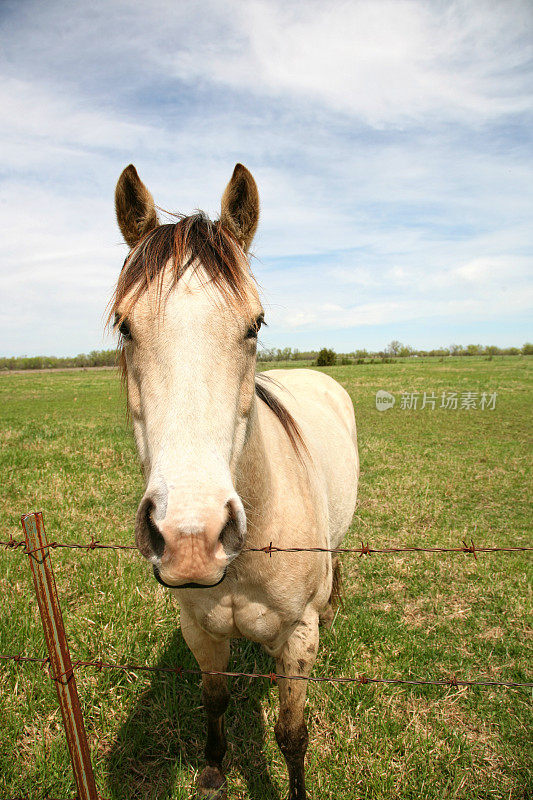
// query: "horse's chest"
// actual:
[[217, 620], [253, 620], [258, 622]]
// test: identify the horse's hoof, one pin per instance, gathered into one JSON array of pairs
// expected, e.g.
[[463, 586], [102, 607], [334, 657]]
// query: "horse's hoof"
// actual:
[[212, 784], [326, 618]]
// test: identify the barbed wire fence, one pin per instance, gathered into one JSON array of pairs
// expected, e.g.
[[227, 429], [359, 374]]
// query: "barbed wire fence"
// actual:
[[273, 677], [363, 550], [61, 668]]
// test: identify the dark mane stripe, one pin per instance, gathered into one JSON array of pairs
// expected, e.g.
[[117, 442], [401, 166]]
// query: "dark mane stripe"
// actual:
[[289, 424]]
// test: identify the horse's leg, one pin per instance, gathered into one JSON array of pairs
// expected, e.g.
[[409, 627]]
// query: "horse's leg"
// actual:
[[296, 658], [211, 655], [327, 615]]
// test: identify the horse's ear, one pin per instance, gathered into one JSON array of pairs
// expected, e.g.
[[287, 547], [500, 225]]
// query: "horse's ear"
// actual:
[[240, 206], [134, 206]]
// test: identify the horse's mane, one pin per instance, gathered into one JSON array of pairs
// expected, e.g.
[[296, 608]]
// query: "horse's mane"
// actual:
[[193, 239], [291, 427]]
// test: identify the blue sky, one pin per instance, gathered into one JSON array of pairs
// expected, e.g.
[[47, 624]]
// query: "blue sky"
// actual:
[[390, 139]]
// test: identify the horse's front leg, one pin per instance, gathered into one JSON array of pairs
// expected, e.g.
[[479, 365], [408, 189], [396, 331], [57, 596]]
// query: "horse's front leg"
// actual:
[[296, 658], [211, 655]]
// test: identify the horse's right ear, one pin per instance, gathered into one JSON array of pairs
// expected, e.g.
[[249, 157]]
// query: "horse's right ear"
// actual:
[[134, 206]]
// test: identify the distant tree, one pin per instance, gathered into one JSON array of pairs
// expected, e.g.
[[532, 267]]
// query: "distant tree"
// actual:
[[284, 355], [456, 349], [527, 349], [473, 349], [492, 350], [266, 354], [393, 348], [405, 351], [326, 358]]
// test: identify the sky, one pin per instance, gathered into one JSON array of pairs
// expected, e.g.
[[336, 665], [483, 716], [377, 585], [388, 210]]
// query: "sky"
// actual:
[[391, 141]]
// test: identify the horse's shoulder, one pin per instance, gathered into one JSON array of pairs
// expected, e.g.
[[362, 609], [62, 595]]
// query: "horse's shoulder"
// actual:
[[310, 387]]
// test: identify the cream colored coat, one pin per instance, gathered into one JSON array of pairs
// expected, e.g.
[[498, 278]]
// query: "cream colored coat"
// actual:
[[291, 504]]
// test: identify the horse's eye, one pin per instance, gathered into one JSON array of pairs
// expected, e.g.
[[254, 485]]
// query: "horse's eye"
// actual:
[[123, 327], [254, 328]]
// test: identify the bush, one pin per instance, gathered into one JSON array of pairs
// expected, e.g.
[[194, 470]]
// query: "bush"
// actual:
[[326, 358]]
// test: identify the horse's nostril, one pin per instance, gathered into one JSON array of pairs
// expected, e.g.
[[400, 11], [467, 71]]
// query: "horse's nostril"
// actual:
[[232, 534], [152, 538]]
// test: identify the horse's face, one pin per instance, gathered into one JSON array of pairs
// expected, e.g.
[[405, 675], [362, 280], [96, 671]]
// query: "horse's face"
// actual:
[[190, 353]]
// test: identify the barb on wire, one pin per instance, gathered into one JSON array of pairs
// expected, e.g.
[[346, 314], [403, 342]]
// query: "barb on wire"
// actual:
[[271, 676], [363, 550]]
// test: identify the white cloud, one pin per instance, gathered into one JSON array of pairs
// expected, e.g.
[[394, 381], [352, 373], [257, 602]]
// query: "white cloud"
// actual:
[[500, 270], [38, 113], [387, 63], [323, 316]]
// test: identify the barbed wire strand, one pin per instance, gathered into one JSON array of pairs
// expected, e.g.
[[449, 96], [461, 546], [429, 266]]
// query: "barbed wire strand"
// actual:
[[363, 550], [362, 679]]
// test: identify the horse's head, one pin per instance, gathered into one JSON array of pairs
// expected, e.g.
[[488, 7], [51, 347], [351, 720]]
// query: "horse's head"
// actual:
[[188, 312]]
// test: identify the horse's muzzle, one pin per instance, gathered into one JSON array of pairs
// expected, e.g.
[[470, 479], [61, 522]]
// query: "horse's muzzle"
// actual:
[[192, 548]]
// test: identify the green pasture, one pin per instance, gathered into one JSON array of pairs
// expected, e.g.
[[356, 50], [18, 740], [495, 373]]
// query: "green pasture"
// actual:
[[428, 476]]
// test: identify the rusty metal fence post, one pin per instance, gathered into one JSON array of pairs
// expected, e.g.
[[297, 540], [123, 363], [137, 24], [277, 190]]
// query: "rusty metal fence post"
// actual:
[[38, 550]]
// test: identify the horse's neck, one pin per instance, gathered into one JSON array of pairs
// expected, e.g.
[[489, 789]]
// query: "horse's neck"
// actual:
[[254, 480]]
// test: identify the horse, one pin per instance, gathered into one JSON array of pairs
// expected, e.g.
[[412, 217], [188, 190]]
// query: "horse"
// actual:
[[233, 462]]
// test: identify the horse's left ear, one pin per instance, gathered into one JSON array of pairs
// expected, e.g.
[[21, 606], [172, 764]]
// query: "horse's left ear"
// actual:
[[240, 206]]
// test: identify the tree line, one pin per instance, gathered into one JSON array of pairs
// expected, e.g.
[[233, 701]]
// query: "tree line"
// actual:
[[324, 357], [328, 357], [96, 358]]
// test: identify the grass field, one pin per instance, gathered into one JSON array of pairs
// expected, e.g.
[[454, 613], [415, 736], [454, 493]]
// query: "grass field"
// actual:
[[427, 476]]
